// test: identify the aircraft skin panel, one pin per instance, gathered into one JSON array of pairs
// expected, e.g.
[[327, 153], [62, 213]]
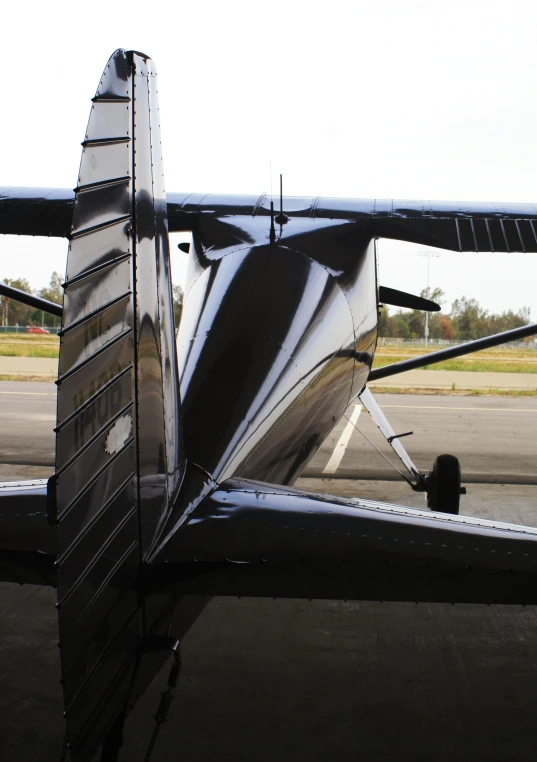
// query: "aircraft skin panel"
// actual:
[[108, 281], [91, 420], [81, 340], [451, 225], [24, 523], [100, 249], [101, 205], [89, 379], [98, 558], [254, 539], [119, 455], [28, 541], [285, 361], [290, 336]]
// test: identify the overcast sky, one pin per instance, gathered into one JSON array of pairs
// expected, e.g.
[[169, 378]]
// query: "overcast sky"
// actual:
[[398, 99]]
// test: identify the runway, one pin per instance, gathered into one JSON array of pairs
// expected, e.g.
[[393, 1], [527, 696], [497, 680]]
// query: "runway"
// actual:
[[319, 681], [493, 437], [459, 379]]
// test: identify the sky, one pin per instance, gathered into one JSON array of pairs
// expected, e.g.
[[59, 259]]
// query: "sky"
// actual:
[[408, 99]]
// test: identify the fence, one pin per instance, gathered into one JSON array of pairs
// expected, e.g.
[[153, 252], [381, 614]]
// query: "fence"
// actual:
[[387, 342], [24, 328]]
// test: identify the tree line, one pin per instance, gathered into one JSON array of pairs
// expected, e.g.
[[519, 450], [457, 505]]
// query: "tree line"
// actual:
[[14, 313], [466, 320]]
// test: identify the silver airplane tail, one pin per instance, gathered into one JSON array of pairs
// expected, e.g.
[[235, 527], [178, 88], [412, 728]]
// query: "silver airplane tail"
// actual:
[[119, 457]]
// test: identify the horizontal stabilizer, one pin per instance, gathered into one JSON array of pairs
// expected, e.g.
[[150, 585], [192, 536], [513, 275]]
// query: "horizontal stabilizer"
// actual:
[[255, 539], [397, 298]]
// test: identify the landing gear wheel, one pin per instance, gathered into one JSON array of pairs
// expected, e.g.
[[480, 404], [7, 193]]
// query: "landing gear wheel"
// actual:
[[444, 485]]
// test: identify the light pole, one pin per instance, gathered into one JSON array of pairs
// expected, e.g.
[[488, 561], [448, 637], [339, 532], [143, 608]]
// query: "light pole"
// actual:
[[427, 254]]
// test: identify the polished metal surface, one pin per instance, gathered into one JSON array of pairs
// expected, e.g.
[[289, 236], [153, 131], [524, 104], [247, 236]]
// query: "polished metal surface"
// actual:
[[374, 410], [96, 496], [277, 337], [33, 301], [397, 298], [250, 538], [160, 453], [277, 329], [307, 525], [119, 457], [454, 225], [23, 517]]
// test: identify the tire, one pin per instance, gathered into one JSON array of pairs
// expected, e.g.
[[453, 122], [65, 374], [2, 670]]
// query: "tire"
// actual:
[[444, 485]]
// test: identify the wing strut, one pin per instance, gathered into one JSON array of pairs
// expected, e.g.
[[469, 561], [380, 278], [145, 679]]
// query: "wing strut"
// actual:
[[417, 480], [32, 301], [451, 352]]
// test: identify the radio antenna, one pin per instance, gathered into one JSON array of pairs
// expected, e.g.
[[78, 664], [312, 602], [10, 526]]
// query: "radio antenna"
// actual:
[[272, 234], [282, 218]]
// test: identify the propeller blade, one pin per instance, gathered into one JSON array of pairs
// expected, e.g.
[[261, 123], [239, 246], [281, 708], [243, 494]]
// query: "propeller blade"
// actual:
[[402, 299]]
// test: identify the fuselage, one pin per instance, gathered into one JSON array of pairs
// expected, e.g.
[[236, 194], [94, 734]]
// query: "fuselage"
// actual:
[[277, 337]]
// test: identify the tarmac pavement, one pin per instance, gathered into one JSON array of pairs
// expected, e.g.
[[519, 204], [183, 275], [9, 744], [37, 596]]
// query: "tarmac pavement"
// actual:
[[418, 379], [298, 680], [458, 379], [29, 366], [495, 438]]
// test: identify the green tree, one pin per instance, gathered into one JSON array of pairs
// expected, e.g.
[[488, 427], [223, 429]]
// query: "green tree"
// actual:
[[470, 320], [447, 331], [508, 320], [13, 312], [384, 321], [53, 293], [467, 320], [436, 295], [177, 293], [401, 326], [416, 324]]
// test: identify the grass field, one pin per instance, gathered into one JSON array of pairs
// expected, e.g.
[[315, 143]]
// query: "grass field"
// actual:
[[29, 345], [453, 392], [488, 360]]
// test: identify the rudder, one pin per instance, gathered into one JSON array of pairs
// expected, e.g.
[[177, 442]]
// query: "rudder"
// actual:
[[119, 457]]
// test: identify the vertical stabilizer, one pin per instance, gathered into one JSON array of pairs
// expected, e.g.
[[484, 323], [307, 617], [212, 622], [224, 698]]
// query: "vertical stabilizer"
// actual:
[[118, 448]]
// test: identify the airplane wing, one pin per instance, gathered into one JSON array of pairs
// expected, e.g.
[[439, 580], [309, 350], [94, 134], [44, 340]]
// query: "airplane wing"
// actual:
[[452, 225]]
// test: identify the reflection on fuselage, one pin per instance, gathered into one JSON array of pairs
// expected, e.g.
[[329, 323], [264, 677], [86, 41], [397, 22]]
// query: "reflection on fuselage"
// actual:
[[276, 339]]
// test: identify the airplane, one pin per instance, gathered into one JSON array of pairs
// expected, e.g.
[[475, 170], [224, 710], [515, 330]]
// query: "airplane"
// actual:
[[175, 460]]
